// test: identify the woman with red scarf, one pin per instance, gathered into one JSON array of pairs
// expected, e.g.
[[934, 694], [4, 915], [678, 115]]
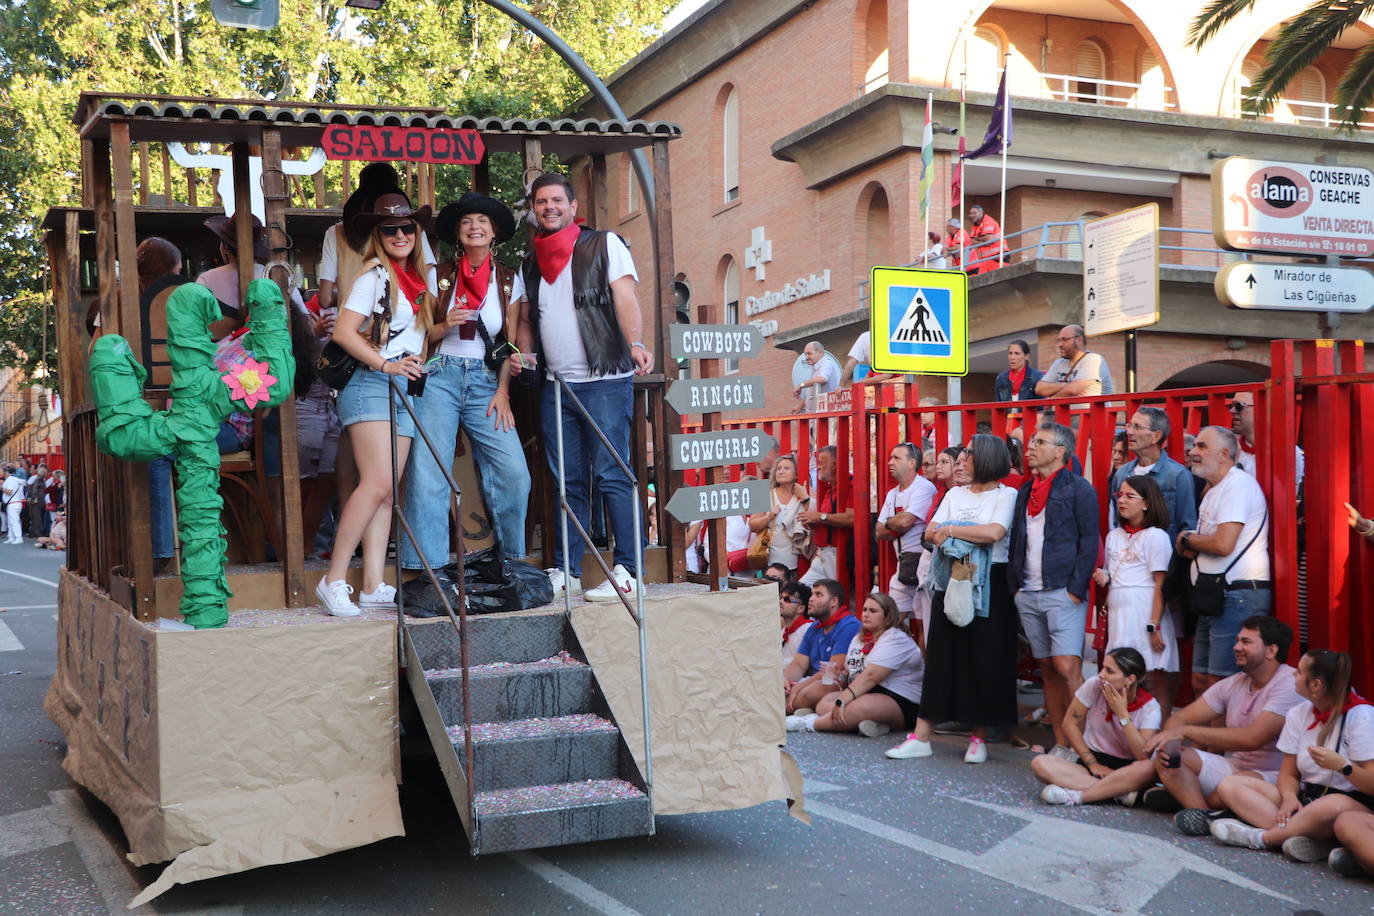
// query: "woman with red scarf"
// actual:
[[1109, 722], [881, 683], [472, 317], [1328, 768], [1138, 553], [394, 296]]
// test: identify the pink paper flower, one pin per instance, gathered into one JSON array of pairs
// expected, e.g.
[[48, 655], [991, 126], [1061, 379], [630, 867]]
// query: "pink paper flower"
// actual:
[[249, 382]]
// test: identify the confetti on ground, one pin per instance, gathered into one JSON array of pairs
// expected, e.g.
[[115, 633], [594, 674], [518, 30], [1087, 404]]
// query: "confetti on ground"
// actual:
[[580, 724], [561, 660], [554, 797]]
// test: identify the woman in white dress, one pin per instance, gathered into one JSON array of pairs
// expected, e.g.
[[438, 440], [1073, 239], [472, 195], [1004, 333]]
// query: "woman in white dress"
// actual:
[[1138, 553]]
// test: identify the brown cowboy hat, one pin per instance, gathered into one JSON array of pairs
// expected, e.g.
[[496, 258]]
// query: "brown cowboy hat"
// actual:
[[392, 205], [225, 229], [502, 220]]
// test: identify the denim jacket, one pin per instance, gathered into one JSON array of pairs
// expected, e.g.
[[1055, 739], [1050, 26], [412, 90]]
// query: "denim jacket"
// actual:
[[1071, 536], [1175, 481], [1001, 388], [955, 548]]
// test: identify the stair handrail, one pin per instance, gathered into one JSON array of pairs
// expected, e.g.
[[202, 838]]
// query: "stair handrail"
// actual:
[[637, 612], [459, 620]]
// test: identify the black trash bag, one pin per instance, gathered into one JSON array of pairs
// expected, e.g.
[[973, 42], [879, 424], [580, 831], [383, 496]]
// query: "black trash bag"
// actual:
[[479, 566], [421, 599], [522, 586]]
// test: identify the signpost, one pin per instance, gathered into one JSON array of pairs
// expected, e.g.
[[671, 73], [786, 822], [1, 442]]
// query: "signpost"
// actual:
[[715, 341], [918, 321], [1293, 207], [1121, 276], [1296, 287], [738, 392], [688, 451], [717, 500]]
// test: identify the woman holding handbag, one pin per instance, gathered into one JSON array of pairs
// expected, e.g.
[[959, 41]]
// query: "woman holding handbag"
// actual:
[[395, 295], [468, 387], [779, 528]]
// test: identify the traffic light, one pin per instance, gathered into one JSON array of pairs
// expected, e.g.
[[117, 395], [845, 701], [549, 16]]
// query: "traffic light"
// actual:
[[247, 14]]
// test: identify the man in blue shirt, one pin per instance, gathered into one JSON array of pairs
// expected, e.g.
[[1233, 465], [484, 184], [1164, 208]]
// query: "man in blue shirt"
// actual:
[[827, 641], [1147, 432]]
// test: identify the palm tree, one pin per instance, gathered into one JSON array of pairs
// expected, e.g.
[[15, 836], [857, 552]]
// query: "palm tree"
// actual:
[[1301, 41]]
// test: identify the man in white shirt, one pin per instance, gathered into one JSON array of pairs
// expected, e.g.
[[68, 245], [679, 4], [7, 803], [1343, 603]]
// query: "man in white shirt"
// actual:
[[13, 497], [1232, 538], [861, 358], [1242, 407], [1078, 370], [902, 522], [596, 345]]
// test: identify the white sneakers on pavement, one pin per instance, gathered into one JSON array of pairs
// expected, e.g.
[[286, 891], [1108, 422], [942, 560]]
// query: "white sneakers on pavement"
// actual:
[[871, 729], [334, 597], [977, 751], [1058, 795], [383, 596], [574, 584], [1064, 753], [801, 723], [910, 749], [621, 581]]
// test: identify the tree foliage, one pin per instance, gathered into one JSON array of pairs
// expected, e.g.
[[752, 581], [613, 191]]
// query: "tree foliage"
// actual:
[[460, 55], [1300, 41]]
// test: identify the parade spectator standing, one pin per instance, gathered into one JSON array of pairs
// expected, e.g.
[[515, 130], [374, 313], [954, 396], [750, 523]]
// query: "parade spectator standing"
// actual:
[[1147, 432], [793, 598], [970, 670], [902, 523], [956, 242], [1138, 555], [824, 378], [1110, 720], [1327, 744], [935, 257], [858, 365], [37, 488], [985, 235], [788, 538], [1017, 382], [829, 526], [13, 493], [1231, 540], [1054, 544], [1077, 371], [1252, 703], [814, 669], [1242, 407], [1119, 451], [462, 391], [579, 313]]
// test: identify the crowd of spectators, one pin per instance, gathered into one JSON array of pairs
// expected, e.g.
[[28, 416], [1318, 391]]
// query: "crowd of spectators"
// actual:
[[33, 504]]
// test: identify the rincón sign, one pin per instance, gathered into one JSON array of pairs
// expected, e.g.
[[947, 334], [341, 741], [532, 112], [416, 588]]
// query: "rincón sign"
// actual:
[[375, 143]]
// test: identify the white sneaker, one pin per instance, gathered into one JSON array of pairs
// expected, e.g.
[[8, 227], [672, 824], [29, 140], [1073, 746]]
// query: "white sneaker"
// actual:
[[1064, 753], [556, 580], [1058, 795], [383, 596], [910, 749], [801, 723], [1236, 832], [334, 597], [621, 581], [870, 729], [977, 752]]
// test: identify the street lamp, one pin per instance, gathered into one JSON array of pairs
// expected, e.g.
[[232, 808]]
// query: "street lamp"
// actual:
[[364, 4]]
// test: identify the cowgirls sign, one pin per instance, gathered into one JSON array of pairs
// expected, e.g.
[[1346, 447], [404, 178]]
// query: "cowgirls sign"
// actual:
[[371, 142]]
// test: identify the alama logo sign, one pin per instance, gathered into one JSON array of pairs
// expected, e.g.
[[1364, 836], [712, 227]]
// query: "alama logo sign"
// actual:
[[1278, 191]]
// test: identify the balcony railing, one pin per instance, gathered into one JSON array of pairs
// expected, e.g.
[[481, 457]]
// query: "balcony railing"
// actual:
[[1064, 87], [1304, 113]]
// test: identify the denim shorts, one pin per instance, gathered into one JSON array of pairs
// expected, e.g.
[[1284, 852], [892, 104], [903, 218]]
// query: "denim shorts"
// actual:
[[364, 399], [1214, 643]]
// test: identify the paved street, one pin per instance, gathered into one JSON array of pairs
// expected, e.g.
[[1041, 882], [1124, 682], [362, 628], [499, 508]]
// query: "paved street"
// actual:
[[888, 837]]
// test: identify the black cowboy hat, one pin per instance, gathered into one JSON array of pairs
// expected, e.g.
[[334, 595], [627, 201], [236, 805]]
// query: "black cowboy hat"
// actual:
[[224, 228], [502, 220], [390, 205], [374, 180]]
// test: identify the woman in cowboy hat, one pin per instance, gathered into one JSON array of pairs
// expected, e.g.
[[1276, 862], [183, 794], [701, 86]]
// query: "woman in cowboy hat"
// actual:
[[395, 294], [463, 391]]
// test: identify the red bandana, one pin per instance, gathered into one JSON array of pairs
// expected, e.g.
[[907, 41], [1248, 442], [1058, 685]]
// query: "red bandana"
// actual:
[[1352, 700], [1132, 529], [1142, 697], [1245, 447], [834, 618], [869, 640], [797, 623], [1016, 378], [552, 251], [1040, 493], [475, 281], [411, 283]]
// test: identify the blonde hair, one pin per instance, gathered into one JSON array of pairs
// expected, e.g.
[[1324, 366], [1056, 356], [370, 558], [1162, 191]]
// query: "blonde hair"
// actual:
[[374, 250]]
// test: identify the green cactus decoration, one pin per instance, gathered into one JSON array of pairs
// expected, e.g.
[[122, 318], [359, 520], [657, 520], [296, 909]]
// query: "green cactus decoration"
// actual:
[[202, 398]]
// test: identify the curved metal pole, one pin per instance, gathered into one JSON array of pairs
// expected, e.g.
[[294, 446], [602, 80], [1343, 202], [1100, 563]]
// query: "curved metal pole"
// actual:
[[598, 90]]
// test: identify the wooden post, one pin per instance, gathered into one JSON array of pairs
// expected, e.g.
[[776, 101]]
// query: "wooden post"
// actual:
[[243, 223], [191, 188], [481, 177], [293, 538], [599, 207], [101, 193], [144, 173], [166, 174], [130, 325], [71, 317], [670, 531], [719, 557], [534, 157]]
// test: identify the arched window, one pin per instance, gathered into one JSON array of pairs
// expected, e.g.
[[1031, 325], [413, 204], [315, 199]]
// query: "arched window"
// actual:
[[730, 145], [1307, 98], [984, 60], [877, 230], [1152, 94], [730, 296], [1249, 71], [875, 47], [1090, 68]]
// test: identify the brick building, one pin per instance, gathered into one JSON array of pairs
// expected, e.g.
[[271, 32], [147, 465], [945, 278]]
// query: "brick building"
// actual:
[[800, 165]]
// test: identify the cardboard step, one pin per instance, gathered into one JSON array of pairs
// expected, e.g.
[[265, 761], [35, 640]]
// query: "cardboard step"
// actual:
[[494, 638], [531, 752], [556, 686], [554, 815]]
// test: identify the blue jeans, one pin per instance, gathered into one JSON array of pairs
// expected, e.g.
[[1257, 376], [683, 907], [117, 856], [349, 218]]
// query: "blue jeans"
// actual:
[[160, 505], [456, 397], [1215, 640], [610, 402]]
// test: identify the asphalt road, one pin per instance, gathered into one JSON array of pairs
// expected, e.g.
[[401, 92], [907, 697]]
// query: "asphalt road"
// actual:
[[887, 837]]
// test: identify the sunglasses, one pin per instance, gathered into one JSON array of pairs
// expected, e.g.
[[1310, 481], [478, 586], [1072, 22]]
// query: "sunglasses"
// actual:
[[1237, 406], [402, 228]]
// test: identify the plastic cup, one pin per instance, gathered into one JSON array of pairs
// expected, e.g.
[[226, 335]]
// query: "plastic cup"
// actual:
[[827, 673]]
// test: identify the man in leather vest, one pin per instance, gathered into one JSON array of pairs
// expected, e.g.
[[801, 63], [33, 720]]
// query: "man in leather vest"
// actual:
[[579, 314]]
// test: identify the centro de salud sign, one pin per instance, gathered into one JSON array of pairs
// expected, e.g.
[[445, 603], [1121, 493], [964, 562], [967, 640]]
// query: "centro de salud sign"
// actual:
[[374, 143], [1293, 208]]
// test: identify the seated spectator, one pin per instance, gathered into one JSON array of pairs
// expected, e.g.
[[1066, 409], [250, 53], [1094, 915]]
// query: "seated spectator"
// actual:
[[1354, 858], [793, 598], [1328, 768], [1253, 703], [1109, 721], [56, 538], [805, 682], [881, 679]]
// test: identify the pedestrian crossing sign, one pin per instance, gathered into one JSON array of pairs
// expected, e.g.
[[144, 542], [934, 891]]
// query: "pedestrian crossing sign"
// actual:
[[918, 321]]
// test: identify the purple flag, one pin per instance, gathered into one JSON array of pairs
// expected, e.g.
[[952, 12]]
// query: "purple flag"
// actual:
[[999, 131]]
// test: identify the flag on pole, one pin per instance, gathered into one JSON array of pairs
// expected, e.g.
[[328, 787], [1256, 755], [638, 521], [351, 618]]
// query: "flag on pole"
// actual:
[[998, 137], [927, 157], [956, 186]]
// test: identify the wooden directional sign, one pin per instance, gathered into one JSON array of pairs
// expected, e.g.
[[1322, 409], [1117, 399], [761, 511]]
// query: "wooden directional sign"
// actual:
[[738, 392], [1296, 287], [689, 504], [715, 341], [718, 449]]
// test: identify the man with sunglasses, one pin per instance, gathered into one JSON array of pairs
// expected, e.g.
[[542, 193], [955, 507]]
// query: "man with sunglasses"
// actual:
[[1242, 407], [793, 598]]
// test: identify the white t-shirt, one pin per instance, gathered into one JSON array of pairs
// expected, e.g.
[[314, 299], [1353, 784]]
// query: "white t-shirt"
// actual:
[[861, 350], [1236, 698], [1088, 366], [329, 254], [895, 650], [1133, 559], [916, 499], [1237, 498], [405, 336], [737, 533], [995, 506], [1355, 743], [1032, 579], [14, 490], [792, 645], [1246, 462], [560, 336], [1101, 730], [453, 343]]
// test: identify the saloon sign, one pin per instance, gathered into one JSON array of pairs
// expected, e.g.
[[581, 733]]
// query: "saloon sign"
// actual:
[[1293, 208], [372, 143]]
